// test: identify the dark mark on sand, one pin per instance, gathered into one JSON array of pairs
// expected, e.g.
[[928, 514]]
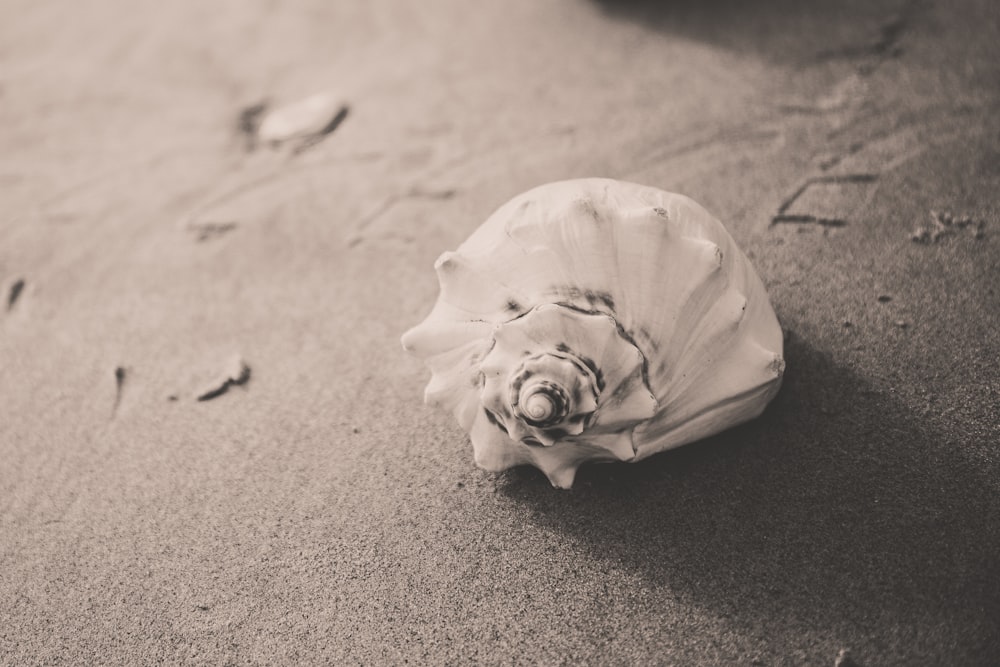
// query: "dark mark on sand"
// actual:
[[433, 194], [120, 373], [15, 292], [884, 46], [782, 214], [415, 192], [209, 230], [313, 139], [248, 122], [237, 373], [805, 218]]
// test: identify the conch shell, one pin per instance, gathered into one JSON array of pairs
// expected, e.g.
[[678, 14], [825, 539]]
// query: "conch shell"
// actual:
[[597, 320]]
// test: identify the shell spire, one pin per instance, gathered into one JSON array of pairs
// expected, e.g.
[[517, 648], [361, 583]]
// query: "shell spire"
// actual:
[[597, 320]]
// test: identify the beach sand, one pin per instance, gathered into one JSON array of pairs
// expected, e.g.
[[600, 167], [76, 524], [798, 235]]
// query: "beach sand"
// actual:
[[318, 512]]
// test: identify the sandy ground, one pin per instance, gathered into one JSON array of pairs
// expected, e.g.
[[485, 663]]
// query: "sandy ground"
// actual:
[[319, 513]]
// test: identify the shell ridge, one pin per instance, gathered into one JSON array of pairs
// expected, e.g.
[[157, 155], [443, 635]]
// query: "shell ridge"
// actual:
[[463, 287], [433, 337], [714, 388], [578, 232], [709, 421], [534, 259], [678, 269], [640, 245], [452, 373], [723, 402], [691, 360]]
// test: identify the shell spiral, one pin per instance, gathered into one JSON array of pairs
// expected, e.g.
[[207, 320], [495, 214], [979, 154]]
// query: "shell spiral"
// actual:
[[597, 320]]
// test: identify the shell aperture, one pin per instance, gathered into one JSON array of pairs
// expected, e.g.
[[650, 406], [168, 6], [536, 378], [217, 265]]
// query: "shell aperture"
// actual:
[[597, 320]]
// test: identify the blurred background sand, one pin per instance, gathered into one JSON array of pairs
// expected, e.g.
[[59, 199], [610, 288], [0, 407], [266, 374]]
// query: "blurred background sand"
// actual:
[[318, 513]]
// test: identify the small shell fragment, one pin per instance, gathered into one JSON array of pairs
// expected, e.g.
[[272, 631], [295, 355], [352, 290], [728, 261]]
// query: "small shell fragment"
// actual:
[[312, 116]]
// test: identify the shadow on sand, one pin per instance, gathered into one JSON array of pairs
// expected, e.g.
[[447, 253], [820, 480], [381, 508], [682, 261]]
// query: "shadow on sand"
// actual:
[[837, 506], [781, 31]]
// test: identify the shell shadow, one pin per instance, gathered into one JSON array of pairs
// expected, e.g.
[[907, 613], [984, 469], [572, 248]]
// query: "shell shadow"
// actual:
[[782, 31], [837, 498]]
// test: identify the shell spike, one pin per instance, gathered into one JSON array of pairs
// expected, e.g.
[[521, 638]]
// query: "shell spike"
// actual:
[[562, 478]]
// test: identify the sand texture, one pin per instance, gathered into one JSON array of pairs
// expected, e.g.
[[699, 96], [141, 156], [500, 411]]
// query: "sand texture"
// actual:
[[213, 449]]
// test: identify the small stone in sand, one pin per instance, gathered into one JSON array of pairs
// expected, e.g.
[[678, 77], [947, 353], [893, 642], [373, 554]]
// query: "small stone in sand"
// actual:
[[902, 324], [313, 117], [844, 659], [237, 372], [946, 224], [884, 298]]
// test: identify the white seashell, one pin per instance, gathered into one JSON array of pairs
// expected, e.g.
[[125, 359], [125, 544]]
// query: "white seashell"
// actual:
[[305, 118], [597, 320]]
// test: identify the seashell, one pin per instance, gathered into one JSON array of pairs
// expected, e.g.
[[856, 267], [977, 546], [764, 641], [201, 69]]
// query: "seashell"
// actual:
[[315, 115], [597, 320]]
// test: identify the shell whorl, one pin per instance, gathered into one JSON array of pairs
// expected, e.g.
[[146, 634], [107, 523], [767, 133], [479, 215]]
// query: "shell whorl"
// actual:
[[597, 320], [541, 404], [545, 389]]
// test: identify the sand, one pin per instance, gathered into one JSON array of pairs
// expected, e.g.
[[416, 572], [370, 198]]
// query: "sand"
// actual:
[[316, 512]]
